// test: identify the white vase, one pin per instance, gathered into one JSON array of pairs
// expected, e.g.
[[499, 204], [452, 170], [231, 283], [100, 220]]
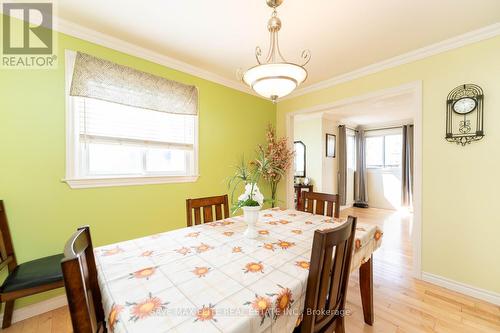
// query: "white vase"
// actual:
[[251, 216]]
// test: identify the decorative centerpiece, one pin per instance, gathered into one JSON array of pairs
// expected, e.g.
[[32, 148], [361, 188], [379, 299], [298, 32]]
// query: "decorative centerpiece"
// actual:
[[251, 200], [251, 203]]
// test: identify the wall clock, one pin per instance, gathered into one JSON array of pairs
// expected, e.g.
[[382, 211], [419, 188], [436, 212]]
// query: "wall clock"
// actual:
[[464, 114]]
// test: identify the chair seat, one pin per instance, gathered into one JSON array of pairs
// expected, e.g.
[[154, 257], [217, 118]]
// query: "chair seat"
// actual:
[[34, 273]]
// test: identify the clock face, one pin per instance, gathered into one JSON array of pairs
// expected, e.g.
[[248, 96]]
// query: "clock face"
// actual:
[[464, 105]]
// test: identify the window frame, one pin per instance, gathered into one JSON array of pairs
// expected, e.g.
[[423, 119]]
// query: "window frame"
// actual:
[[382, 134], [74, 177], [351, 134]]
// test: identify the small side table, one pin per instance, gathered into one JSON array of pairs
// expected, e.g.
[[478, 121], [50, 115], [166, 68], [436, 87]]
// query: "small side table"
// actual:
[[298, 193]]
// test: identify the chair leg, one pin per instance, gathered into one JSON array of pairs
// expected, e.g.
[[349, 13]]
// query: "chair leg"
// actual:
[[7, 313], [339, 327]]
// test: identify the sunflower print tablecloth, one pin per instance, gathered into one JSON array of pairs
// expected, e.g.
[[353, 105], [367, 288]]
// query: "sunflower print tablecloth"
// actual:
[[210, 278]]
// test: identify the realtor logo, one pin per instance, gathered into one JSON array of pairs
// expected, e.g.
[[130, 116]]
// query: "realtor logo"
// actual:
[[27, 36]]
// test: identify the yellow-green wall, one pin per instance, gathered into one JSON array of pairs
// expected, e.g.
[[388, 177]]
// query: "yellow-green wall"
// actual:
[[460, 220], [43, 211]]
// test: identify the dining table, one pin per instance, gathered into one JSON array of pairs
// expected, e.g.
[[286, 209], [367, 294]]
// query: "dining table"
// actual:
[[211, 278]]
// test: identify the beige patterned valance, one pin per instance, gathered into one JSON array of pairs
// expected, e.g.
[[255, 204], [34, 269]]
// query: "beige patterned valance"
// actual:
[[101, 79]]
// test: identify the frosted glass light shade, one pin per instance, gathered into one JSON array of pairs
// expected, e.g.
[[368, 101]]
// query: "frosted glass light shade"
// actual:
[[275, 80]]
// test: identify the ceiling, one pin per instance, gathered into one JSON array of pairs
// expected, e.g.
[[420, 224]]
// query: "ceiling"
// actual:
[[369, 113], [386, 110], [220, 35]]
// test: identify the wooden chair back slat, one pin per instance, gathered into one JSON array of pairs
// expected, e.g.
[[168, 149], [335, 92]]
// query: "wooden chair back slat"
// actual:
[[197, 216], [329, 208], [80, 280], [328, 277], [218, 212], [7, 256], [320, 207], [207, 214], [320, 200], [207, 205]]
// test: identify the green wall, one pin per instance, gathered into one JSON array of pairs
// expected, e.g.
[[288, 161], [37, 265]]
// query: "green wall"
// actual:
[[43, 211], [460, 223]]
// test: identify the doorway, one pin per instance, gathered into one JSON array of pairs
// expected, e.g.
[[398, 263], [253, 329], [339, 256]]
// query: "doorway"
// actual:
[[412, 92]]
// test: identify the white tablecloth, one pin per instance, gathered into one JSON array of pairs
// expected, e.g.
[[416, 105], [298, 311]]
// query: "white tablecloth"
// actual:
[[210, 278]]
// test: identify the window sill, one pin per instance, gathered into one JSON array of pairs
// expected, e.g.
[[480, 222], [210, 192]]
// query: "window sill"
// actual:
[[127, 181]]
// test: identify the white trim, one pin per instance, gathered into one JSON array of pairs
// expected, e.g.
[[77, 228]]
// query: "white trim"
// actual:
[[38, 308], [482, 294], [474, 36], [417, 179], [71, 122], [96, 37], [128, 181], [414, 88], [117, 44]]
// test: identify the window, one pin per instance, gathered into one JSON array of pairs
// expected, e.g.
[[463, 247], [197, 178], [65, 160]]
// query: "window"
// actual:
[[383, 151], [351, 151], [113, 144]]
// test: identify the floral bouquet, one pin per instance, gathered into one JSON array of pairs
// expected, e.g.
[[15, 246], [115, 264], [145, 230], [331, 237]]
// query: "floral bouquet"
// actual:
[[252, 197]]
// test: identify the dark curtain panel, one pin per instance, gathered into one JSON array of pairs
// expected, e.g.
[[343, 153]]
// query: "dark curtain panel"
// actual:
[[342, 176], [407, 166], [360, 189]]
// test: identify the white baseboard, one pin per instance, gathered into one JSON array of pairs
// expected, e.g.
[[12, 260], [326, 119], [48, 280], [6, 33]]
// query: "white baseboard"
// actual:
[[348, 205], [35, 309], [482, 294]]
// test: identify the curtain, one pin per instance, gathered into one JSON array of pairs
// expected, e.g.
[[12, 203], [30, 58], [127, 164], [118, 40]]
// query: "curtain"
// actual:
[[407, 166], [360, 189], [104, 80], [342, 173]]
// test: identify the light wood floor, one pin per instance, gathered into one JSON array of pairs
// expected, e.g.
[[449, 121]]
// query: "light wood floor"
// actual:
[[402, 304]]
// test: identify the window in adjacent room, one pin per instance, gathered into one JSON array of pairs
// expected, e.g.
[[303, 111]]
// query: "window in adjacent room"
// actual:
[[127, 141], [351, 150], [383, 150]]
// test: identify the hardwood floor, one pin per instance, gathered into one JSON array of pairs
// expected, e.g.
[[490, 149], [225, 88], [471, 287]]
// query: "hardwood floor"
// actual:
[[402, 304]]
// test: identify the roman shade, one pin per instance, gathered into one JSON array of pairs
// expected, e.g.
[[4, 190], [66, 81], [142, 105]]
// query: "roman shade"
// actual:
[[104, 80]]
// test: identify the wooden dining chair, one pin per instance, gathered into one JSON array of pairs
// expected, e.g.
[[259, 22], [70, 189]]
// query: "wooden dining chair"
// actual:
[[328, 277], [206, 206], [29, 278], [80, 280], [321, 204]]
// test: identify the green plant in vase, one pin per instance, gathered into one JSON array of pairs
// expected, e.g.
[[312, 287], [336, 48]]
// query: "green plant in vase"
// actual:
[[247, 176]]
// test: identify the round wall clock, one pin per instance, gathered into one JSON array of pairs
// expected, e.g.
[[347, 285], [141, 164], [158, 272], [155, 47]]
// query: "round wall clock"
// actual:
[[464, 105], [464, 114]]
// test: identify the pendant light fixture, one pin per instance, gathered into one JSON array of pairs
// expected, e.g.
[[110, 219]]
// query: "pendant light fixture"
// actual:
[[274, 77]]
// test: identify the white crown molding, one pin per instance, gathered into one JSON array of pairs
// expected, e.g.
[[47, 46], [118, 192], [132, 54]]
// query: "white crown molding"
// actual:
[[484, 295], [96, 37], [75, 30], [117, 44], [433, 49]]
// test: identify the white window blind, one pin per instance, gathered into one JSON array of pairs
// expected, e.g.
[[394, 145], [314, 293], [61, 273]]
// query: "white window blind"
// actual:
[[99, 119], [120, 140]]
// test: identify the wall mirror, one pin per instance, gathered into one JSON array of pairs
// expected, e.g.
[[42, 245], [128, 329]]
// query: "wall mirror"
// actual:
[[299, 159]]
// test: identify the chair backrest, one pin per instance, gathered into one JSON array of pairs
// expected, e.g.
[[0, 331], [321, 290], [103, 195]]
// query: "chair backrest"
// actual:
[[328, 277], [326, 204], [7, 256], [204, 207], [80, 280]]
